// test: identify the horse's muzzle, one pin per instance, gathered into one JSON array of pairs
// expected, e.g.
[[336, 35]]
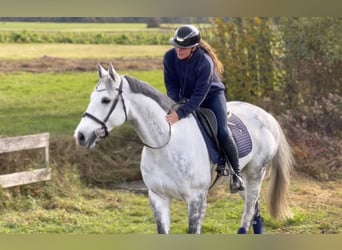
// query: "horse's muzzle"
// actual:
[[83, 141], [79, 138]]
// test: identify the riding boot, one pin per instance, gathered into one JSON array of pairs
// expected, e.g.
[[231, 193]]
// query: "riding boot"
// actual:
[[230, 150]]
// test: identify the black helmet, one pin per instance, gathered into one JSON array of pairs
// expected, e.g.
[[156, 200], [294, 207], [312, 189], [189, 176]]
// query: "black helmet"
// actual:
[[186, 36]]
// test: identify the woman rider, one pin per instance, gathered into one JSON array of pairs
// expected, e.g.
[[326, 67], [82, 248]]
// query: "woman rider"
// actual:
[[191, 71]]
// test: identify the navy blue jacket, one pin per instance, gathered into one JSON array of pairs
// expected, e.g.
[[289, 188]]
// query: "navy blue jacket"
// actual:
[[194, 79]]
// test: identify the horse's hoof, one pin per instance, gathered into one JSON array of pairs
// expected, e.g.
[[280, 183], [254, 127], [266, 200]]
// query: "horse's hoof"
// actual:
[[242, 230]]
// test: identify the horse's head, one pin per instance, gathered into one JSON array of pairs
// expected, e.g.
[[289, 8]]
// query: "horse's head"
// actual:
[[105, 111]]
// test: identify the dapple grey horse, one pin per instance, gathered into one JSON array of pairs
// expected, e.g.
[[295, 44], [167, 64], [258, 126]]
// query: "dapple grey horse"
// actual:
[[175, 162]]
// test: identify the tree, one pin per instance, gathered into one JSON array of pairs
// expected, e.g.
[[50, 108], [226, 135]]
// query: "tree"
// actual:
[[244, 45], [288, 60], [313, 57]]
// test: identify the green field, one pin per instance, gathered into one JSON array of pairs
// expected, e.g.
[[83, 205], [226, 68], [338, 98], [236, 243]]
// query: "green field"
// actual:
[[84, 33], [103, 51], [34, 103]]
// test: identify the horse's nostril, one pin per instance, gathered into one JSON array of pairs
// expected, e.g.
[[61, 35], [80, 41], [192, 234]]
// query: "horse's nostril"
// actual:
[[80, 138]]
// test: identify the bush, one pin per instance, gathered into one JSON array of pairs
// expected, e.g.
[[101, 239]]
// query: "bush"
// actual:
[[315, 135]]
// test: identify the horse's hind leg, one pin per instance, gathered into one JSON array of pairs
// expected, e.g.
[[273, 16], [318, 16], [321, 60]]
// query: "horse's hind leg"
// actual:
[[258, 227], [161, 209], [196, 209], [251, 196]]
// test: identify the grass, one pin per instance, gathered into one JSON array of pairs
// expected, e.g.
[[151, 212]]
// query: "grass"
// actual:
[[35, 103], [10, 51], [100, 211]]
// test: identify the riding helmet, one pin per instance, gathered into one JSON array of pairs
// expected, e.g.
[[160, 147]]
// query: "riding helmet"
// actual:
[[186, 36]]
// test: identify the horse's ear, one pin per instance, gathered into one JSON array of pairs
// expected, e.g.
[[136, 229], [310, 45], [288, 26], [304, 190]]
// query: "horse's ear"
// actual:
[[112, 72], [101, 70]]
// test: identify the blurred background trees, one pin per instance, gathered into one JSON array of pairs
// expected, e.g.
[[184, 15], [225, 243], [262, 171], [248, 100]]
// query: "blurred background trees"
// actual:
[[292, 61], [291, 67]]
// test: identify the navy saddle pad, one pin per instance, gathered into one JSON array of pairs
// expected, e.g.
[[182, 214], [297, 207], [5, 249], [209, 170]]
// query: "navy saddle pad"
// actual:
[[240, 134]]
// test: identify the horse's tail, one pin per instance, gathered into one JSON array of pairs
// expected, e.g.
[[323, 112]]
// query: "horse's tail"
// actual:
[[282, 164]]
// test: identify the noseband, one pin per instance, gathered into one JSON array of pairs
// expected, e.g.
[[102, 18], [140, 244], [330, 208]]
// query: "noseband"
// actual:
[[104, 130]]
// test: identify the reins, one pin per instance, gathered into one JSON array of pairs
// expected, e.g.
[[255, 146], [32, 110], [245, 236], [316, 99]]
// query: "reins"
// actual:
[[103, 133], [163, 145]]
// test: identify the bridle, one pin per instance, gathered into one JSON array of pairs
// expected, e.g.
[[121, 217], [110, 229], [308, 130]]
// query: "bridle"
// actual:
[[103, 132]]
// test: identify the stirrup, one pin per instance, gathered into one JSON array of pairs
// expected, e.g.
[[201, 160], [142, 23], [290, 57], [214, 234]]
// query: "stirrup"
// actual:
[[233, 185], [222, 171]]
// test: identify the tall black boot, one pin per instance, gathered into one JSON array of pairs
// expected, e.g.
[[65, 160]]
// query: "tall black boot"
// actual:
[[230, 150]]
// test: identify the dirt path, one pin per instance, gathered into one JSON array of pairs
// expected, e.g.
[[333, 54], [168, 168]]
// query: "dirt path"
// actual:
[[52, 64]]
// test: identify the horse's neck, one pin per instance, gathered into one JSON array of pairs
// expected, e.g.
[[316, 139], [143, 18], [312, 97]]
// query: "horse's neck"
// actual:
[[148, 119]]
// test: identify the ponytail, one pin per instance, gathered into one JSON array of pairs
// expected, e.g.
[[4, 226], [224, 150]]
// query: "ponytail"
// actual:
[[218, 66]]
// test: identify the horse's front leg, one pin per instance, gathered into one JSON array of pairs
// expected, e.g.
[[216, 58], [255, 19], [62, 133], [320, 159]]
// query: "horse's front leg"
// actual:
[[161, 209], [196, 208]]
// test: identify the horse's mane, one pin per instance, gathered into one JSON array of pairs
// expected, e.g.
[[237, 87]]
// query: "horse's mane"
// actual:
[[141, 87]]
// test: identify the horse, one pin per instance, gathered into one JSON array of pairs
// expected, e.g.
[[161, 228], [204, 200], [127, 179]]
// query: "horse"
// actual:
[[175, 163]]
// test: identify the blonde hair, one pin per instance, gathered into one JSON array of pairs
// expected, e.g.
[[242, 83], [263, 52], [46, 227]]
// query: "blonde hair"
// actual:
[[218, 66]]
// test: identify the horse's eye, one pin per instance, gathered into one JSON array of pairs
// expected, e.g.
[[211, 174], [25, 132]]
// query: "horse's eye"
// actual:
[[105, 100]]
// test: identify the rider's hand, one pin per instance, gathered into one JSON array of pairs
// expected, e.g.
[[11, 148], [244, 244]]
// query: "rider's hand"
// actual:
[[172, 117]]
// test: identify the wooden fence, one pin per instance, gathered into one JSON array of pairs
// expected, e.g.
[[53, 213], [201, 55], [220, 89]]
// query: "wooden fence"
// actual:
[[12, 144]]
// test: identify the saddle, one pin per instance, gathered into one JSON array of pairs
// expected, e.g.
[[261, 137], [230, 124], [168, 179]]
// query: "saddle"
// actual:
[[207, 122], [205, 116]]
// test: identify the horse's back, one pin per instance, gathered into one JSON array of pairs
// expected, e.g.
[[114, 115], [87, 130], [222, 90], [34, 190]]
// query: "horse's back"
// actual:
[[245, 109], [263, 129], [252, 115]]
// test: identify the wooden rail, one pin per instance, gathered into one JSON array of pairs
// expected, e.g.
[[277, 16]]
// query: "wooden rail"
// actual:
[[12, 144]]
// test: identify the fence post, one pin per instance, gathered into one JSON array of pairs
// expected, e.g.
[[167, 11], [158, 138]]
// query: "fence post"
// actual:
[[19, 143]]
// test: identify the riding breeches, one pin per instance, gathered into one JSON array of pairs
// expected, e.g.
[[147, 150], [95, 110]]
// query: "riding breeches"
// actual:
[[217, 103]]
